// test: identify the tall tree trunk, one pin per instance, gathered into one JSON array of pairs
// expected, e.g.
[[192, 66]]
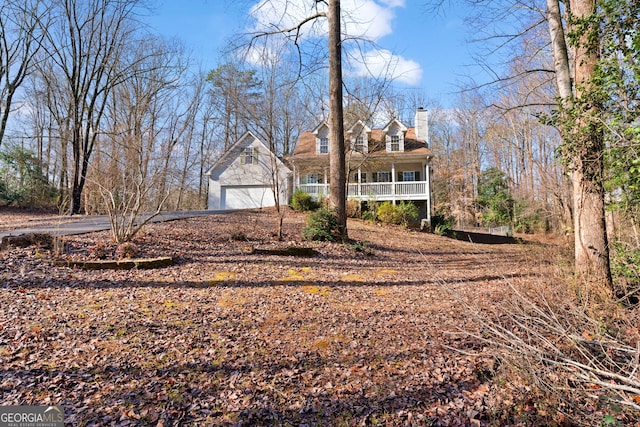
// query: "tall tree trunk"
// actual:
[[63, 203], [337, 173], [202, 198], [584, 143], [560, 52], [591, 243]]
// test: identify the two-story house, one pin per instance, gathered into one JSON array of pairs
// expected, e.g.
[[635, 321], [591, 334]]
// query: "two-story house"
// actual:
[[388, 164]]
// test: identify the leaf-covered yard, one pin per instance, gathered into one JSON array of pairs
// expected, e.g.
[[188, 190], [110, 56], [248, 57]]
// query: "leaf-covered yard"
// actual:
[[361, 334]]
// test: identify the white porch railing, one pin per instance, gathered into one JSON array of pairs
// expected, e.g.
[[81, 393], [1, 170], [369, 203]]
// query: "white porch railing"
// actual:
[[408, 190]]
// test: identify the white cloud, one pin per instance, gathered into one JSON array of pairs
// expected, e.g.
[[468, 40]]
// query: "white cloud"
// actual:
[[383, 63], [393, 3], [366, 19], [260, 55], [369, 20], [273, 15], [361, 18]]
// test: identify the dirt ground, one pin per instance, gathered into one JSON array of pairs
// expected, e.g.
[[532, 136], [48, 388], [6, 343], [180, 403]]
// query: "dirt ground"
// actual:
[[364, 333]]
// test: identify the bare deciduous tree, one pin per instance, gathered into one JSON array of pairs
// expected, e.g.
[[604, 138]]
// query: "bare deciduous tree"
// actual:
[[337, 167], [84, 45], [22, 28], [145, 119]]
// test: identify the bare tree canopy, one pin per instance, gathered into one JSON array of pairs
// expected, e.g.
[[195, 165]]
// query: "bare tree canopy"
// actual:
[[22, 28], [84, 44]]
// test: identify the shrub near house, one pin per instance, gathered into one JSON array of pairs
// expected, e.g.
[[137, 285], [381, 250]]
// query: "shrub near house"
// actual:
[[400, 214]]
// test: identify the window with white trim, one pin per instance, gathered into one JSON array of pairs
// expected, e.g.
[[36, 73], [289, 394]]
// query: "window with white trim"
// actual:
[[363, 177], [409, 176], [395, 142], [360, 144], [249, 156], [323, 147], [312, 178], [381, 176]]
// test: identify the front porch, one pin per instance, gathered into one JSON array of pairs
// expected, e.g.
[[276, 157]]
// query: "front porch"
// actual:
[[375, 191]]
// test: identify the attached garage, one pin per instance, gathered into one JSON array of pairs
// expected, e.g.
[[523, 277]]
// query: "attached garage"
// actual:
[[244, 176], [246, 197]]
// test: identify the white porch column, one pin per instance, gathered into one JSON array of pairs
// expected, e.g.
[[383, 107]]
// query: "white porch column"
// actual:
[[393, 182], [428, 176], [326, 187], [359, 182]]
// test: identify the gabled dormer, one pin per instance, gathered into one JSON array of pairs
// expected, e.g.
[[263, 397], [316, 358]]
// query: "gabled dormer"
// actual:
[[358, 136], [394, 136], [322, 138]]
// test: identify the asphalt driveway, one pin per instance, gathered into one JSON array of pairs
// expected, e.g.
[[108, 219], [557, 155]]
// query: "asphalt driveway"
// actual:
[[68, 226]]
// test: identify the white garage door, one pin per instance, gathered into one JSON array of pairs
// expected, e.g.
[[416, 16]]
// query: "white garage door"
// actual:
[[247, 197]]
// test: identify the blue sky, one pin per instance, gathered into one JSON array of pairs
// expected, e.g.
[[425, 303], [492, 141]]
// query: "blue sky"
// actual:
[[427, 48]]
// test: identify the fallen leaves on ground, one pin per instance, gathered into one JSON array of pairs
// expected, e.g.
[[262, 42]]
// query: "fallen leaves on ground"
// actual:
[[225, 337]]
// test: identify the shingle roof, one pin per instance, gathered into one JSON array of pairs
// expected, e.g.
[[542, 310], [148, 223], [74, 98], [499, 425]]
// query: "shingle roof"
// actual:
[[306, 147]]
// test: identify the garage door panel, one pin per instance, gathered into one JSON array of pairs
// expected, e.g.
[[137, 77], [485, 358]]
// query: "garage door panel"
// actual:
[[247, 197]]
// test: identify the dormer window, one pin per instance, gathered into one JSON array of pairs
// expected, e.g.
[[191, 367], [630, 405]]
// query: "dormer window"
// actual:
[[322, 139], [359, 137], [323, 148], [394, 143], [394, 136]]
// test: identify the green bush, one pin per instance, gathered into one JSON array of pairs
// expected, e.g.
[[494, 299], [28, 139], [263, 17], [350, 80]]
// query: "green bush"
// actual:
[[321, 225], [302, 202], [442, 225], [529, 218], [409, 212], [494, 197], [369, 210], [369, 216], [388, 213], [400, 214], [625, 267], [22, 179]]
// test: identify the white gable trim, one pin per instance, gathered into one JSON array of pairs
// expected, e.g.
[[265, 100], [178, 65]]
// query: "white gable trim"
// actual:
[[317, 131], [235, 151], [235, 183], [401, 129], [320, 126]]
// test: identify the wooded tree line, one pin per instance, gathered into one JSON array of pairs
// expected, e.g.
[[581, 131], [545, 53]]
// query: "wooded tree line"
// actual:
[[488, 133], [559, 123]]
